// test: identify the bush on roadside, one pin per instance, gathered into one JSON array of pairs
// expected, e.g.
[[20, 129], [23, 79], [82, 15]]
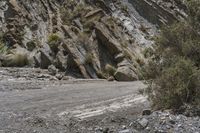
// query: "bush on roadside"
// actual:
[[174, 85], [173, 72], [15, 58]]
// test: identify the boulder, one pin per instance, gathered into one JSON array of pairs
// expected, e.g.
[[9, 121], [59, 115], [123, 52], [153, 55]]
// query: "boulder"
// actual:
[[46, 59], [143, 122], [59, 76], [125, 74], [31, 45], [111, 78], [61, 61], [45, 56], [52, 70], [37, 59]]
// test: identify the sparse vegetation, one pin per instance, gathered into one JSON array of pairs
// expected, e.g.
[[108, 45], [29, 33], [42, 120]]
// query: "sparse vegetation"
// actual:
[[143, 28], [53, 38], [3, 47], [72, 9], [110, 70], [140, 61], [89, 22], [54, 41], [111, 23], [173, 72], [127, 54], [16, 58], [124, 8], [83, 38], [148, 52], [102, 75], [88, 59], [31, 45]]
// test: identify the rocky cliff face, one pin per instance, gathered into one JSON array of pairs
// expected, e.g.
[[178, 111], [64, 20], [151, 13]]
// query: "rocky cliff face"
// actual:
[[83, 38]]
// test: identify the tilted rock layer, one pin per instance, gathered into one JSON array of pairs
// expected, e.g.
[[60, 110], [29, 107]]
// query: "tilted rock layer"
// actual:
[[83, 38]]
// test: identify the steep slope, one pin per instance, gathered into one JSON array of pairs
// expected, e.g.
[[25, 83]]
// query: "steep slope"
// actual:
[[83, 38]]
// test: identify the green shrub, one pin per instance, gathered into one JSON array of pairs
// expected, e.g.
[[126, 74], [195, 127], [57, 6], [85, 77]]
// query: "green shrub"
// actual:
[[111, 70], [15, 59], [102, 75], [53, 42], [140, 61], [53, 38], [173, 72], [3, 48], [194, 13], [124, 8], [175, 85]]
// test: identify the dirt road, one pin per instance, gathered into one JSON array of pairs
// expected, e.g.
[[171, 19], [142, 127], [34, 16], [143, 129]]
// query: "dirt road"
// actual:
[[21, 110]]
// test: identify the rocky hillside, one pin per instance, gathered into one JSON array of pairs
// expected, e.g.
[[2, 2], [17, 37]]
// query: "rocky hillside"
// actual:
[[83, 38]]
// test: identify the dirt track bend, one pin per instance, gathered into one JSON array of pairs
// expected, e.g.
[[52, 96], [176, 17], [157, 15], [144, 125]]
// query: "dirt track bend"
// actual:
[[81, 99], [21, 100]]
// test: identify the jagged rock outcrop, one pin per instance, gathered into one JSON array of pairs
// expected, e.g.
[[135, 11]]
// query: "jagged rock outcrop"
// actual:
[[81, 37]]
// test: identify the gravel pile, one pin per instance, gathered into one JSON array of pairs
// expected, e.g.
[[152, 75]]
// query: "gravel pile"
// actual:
[[164, 122], [156, 122]]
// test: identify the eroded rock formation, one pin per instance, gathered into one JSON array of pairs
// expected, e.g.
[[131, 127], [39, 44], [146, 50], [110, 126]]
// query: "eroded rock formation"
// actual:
[[82, 37]]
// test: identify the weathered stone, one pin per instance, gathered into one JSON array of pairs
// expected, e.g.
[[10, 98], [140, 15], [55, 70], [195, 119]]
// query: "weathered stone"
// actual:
[[95, 13], [143, 122], [59, 76], [126, 131], [78, 24], [125, 74], [37, 59], [31, 45], [111, 78], [120, 57], [105, 39], [106, 130], [46, 60], [61, 61], [77, 57], [103, 4], [52, 70], [65, 78]]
